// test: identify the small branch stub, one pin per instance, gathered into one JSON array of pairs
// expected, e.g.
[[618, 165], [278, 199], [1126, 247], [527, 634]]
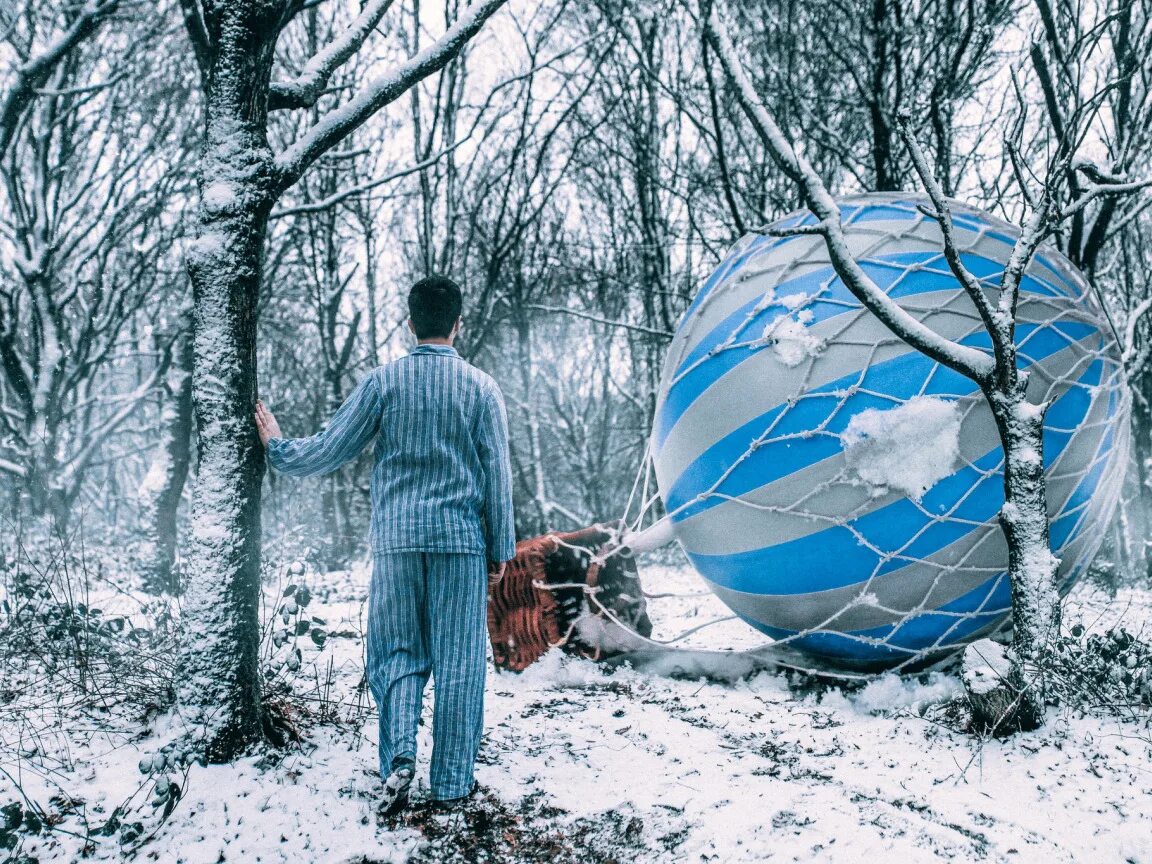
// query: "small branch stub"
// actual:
[[999, 700]]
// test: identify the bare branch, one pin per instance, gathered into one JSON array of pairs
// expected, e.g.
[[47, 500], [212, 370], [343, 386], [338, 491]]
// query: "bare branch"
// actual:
[[303, 90], [32, 74], [332, 200], [967, 361], [197, 34], [1128, 349], [588, 316], [337, 124], [943, 216], [1097, 190]]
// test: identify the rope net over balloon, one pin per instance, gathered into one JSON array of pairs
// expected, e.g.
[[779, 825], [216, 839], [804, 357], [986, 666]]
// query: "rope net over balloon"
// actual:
[[838, 490]]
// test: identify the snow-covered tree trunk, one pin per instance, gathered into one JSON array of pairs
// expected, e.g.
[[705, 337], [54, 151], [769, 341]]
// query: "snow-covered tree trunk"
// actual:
[[163, 486], [240, 180], [1031, 565], [220, 679]]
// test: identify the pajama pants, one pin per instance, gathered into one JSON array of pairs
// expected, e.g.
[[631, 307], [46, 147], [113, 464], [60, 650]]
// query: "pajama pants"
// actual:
[[427, 613]]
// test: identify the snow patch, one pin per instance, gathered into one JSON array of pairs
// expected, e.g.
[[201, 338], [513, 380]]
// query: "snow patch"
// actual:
[[153, 481], [890, 692], [204, 247], [219, 196], [909, 448], [688, 759], [791, 340], [986, 666]]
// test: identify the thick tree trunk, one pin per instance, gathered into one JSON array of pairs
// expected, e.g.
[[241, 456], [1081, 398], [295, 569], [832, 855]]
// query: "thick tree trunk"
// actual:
[[164, 485], [220, 680], [1031, 565]]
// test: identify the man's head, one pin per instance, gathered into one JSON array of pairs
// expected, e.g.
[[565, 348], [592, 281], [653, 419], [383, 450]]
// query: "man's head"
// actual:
[[434, 306]]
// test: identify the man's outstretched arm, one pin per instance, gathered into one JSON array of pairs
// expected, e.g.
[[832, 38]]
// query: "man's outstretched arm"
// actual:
[[352, 426], [499, 523]]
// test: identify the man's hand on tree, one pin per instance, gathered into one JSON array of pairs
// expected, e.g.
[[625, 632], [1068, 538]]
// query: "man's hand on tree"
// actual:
[[266, 424]]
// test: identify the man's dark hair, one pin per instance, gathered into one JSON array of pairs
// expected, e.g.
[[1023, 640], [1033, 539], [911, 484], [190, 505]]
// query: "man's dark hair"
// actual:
[[434, 304]]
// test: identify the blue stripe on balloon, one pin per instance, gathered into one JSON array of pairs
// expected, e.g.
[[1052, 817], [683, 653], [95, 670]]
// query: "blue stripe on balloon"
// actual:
[[902, 211], [992, 598], [919, 633], [889, 272], [893, 529], [927, 630], [827, 409], [707, 362], [1076, 508], [1075, 516], [1068, 289], [895, 642]]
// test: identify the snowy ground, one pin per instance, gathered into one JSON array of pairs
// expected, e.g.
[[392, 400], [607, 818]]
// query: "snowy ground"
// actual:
[[581, 765]]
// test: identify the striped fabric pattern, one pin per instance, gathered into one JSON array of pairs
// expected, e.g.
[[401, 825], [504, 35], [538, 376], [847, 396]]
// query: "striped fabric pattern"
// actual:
[[428, 615], [441, 475], [750, 463]]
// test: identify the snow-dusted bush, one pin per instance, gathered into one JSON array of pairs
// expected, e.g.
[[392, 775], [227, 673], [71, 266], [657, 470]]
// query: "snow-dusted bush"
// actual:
[[80, 652], [1109, 671], [55, 628]]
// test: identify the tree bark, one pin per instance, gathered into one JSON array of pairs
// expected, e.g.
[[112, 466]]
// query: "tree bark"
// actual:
[[1032, 567], [220, 663], [169, 472]]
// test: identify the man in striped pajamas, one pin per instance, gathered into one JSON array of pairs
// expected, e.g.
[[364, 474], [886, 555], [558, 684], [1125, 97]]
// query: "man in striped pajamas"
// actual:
[[441, 510]]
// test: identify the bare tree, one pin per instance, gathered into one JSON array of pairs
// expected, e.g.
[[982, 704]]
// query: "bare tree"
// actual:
[[240, 179], [1020, 422], [86, 187], [162, 489], [1093, 63]]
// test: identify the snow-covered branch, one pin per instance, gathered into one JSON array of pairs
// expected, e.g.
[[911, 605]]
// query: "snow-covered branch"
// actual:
[[35, 70], [333, 200], [1101, 188], [13, 468], [337, 124], [970, 362], [303, 90], [1129, 348]]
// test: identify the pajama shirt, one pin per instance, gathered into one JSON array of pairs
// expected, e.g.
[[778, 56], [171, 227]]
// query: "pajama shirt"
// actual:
[[441, 505]]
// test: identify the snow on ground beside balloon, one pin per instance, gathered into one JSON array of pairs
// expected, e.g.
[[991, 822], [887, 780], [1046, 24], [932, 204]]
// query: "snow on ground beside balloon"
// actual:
[[674, 770]]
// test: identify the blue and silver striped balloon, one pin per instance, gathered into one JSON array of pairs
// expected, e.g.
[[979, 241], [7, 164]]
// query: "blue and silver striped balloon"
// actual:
[[774, 358]]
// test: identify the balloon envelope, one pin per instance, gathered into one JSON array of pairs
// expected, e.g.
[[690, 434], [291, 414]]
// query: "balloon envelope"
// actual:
[[839, 490]]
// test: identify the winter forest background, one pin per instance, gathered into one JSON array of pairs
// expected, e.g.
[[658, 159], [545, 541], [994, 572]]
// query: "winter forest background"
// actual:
[[579, 167]]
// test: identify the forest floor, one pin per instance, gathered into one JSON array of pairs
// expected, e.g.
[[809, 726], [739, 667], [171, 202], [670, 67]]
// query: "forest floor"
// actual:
[[582, 765]]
